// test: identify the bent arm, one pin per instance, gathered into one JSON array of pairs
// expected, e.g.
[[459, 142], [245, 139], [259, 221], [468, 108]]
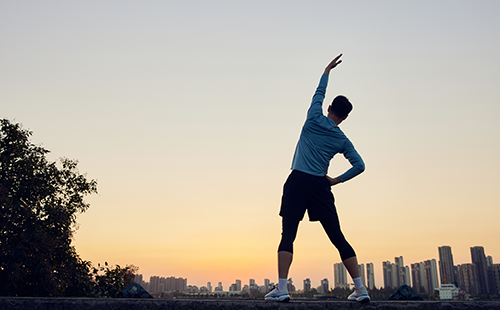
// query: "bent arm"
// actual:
[[358, 165]]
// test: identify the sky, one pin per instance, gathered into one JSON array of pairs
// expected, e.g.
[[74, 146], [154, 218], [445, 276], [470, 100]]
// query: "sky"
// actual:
[[187, 114]]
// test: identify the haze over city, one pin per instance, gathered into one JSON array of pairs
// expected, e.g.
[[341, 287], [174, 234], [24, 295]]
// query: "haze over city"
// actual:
[[187, 114]]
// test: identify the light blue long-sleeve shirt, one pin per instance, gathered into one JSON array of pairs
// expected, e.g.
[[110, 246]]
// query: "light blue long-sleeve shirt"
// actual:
[[321, 139]]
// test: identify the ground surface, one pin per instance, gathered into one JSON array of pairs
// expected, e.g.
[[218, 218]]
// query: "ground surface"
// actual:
[[20, 303]]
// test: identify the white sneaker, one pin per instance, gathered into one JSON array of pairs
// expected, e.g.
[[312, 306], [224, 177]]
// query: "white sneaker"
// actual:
[[278, 295], [360, 295]]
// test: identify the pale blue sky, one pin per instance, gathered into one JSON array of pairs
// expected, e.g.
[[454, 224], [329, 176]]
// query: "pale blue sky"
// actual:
[[187, 114]]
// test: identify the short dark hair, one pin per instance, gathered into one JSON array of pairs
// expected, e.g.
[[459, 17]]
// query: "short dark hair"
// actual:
[[341, 106]]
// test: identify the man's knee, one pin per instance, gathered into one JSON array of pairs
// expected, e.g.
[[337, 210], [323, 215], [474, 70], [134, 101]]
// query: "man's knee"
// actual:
[[285, 247], [290, 227]]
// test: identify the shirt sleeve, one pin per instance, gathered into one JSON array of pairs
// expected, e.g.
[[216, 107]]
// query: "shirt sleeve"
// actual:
[[316, 108], [355, 160]]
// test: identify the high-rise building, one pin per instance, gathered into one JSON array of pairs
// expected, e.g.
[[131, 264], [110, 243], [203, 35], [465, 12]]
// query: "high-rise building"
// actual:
[[491, 277], [162, 284], [370, 276], [394, 275], [175, 284], [398, 261], [219, 287], [325, 286], [390, 275], [307, 285], [446, 265], [489, 261], [154, 282], [479, 259], [209, 287], [362, 273], [495, 274], [238, 285], [389, 278], [418, 277], [290, 286], [468, 278], [267, 284], [456, 276], [431, 276], [407, 276], [138, 279], [339, 274]]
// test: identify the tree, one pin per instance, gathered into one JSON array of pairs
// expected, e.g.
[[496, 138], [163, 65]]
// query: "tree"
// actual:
[[39, 202], [108, 282]]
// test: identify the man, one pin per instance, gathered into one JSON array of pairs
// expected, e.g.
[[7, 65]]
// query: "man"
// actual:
[[309, 188]]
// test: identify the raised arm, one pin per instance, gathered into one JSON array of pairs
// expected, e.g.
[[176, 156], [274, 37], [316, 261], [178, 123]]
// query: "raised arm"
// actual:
[[333, 64]]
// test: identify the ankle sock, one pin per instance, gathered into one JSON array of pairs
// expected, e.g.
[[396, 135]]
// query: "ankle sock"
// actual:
[[282, 283], [357, 283]]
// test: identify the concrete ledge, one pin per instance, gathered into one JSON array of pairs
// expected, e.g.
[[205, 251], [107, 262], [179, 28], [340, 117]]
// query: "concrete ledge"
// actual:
[[23, 303]]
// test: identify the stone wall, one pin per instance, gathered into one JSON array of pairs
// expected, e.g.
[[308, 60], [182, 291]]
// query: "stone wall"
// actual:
[[21, 303]]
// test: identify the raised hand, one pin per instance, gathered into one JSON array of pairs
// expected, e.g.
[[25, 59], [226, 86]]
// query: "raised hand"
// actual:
[[335, 62]]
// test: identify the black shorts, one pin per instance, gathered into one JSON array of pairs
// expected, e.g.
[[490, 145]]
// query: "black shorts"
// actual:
[[303, 192]]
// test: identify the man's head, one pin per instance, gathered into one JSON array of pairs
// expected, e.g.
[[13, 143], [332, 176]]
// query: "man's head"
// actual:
[[339, 109]]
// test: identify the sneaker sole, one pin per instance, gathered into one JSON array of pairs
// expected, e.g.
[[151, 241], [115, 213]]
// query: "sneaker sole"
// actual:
[[279, 299], [363, 299]]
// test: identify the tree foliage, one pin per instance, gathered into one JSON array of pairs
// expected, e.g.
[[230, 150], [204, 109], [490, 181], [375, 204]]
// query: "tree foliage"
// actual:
[[39, 203], [108, 281]]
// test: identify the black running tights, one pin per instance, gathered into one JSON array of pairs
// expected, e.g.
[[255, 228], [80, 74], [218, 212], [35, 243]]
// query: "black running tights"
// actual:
[[332, 229]]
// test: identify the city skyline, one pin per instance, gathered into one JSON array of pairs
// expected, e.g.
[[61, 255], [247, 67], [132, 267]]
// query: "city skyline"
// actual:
[[429, 274], [187, 114]]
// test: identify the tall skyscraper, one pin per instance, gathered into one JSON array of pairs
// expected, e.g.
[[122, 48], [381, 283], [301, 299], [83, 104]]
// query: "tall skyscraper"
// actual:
[[398, 261], [370, 276], [418, 277], [219, 287], [431, 276], [154, 282], [394, 274], [325, 286], [339, 274], [390, 275], [406, 276], [456, 276], [491, 275], [446, 265], [209, 287], [138, 279], [468, 278], [495, 273], [238, 285], [362, 273], [175, 284], [489, 261], [386, 271], [479, 259], [267, 284], [290, 286], [307, 285]]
